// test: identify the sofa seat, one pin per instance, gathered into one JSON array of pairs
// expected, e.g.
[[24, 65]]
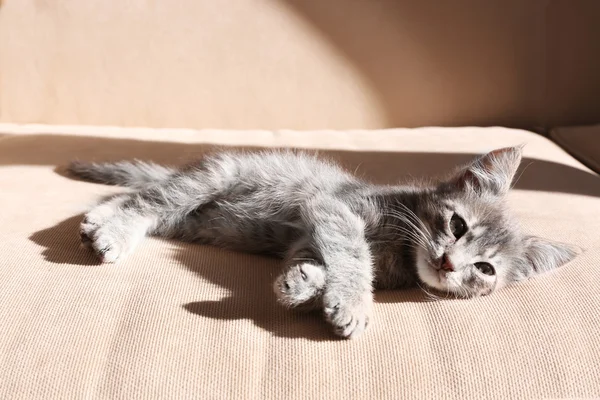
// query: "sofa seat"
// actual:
[[184, 321]]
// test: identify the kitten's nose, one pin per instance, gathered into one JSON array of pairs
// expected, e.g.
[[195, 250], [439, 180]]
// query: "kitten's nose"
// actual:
[[446, 263]]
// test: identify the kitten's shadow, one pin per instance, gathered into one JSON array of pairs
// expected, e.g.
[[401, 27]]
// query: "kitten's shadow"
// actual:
[[61, 243], [247, 278]]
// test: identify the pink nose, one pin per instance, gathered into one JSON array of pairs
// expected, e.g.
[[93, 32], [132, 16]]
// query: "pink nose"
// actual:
[[446, 263]]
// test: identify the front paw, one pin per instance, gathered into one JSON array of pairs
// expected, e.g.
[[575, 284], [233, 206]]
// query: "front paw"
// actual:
[[300, 286], [350, 316]]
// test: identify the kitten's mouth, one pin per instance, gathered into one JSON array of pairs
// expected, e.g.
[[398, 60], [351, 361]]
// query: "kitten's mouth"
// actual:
[[431, 273], [441, 275]]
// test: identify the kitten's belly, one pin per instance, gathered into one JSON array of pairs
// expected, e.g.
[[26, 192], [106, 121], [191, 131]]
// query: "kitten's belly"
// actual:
[[267, 238], [243, 234]]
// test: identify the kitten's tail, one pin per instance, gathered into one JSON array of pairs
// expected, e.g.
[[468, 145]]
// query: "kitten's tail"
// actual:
[[134, 174]]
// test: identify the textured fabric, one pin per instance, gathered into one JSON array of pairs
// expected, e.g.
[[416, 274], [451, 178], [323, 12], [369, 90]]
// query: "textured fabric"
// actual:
[[581, 141], [189, 321], [301, 64]]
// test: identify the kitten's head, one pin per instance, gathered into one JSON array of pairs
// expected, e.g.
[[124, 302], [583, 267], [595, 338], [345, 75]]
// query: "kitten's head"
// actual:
[[475, 247]]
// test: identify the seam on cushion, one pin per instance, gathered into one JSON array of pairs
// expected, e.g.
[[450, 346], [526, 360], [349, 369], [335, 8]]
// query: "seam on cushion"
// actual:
[[560, 139]]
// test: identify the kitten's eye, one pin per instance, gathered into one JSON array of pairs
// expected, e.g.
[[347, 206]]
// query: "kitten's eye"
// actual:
[[485, 268], [457, 226]]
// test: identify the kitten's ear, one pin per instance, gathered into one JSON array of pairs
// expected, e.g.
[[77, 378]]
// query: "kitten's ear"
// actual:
[[542, 255], [491, 173]]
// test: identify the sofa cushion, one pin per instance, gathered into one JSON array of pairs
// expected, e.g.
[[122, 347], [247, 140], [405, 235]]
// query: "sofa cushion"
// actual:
[[302, 64], [583, 142], [180, 320]]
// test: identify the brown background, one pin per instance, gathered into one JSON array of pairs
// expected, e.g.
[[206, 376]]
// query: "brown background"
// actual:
[[301, 64]]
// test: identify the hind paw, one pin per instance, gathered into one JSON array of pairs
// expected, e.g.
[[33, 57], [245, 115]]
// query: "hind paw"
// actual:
[[110, 235]]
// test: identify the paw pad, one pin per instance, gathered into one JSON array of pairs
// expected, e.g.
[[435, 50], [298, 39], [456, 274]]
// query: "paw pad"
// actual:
[[300, 285]]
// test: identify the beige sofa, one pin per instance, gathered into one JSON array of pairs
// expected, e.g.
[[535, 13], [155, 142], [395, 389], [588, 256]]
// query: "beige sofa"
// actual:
[[185, 321]]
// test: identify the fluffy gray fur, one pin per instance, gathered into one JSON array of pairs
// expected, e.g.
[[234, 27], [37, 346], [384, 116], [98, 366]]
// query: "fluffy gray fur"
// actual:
[[340, 237]]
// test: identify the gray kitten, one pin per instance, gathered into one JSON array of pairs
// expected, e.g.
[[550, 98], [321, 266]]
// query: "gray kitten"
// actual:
[[340, 237]]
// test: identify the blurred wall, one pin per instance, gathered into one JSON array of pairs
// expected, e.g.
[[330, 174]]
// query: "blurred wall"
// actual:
[[300, 64]]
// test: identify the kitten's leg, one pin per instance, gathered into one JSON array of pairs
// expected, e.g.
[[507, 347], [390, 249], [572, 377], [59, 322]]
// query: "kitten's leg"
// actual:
[[300, 285], [112, 231], [115, 227], [338, 237]]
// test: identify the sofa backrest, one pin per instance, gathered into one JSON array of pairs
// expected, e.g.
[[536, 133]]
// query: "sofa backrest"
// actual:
[[300, 64]]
